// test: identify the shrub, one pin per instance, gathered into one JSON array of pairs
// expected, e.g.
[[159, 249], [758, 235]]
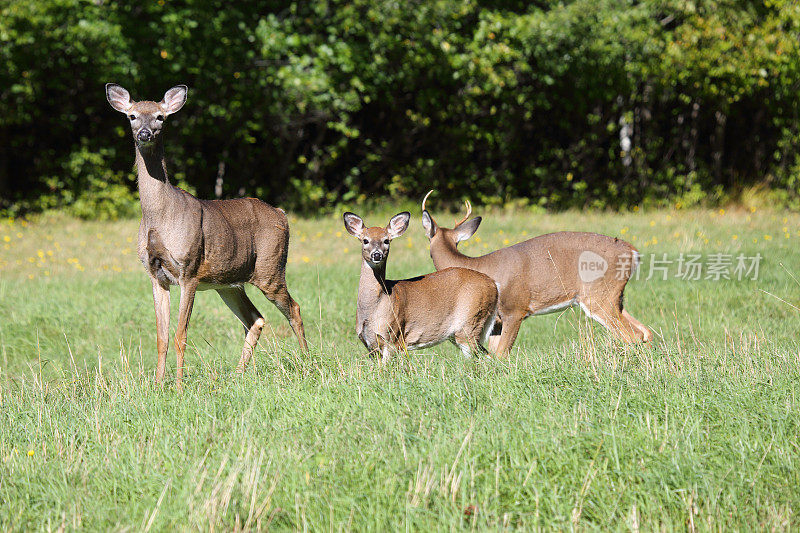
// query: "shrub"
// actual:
[[595, 103]]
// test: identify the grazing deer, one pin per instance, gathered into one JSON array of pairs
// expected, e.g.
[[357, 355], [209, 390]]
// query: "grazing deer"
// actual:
[[201, 244], [546, 274], [453, 304]]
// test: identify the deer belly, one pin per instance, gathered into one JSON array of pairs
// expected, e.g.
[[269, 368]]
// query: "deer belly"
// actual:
[[224, 273], [421, 345], [553, 308], [203, 286], [415, 336]]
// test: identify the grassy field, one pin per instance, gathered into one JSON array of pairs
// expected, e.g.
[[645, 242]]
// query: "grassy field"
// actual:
[[572, 431]]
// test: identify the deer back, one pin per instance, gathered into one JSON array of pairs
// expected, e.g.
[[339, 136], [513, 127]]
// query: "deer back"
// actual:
[[429, 309], [550, 269]]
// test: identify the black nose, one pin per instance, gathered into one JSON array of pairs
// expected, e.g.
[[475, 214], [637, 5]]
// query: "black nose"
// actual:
[[376, 257], [145, 135]]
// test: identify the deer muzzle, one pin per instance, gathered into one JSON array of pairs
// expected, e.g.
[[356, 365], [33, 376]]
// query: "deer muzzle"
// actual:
[[144, 135]]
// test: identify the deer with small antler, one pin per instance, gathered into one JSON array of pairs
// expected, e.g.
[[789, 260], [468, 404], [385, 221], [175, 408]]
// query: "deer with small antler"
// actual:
[[546, 274], [202, 244]]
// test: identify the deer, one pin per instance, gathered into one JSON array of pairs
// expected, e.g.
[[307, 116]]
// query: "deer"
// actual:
[[546, 274], [454, 304], [202, 244]]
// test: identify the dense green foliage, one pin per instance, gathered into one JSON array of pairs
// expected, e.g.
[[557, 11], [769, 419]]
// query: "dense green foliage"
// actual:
[[311, 103], [696, 432]]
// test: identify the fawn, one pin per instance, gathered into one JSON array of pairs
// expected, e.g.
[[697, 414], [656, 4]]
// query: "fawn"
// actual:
[[455, 304]]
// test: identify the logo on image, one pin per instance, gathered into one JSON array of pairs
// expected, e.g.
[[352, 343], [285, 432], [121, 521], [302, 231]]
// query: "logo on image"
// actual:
[[591, 266]]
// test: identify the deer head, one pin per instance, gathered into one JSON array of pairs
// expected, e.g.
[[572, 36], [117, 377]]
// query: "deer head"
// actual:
[[375, 241], [146, 117], [462, 230]]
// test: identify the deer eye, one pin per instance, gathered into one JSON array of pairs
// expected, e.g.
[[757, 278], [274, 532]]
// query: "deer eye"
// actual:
[[160, 118], [132, 117], [386, 241], [366, 241]]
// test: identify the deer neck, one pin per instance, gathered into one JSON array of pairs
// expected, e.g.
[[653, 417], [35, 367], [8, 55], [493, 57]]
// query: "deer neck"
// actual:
[[445, 254], [371, 288], [155, 191]]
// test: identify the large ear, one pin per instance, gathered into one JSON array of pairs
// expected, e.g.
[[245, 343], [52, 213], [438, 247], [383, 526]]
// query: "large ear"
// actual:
[[428, 224], [398, 224], [353, 224], [467, 229], [118, 97], [174, 99]]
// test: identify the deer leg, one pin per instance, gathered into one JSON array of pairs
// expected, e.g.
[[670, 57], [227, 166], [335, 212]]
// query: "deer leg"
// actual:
[[161, 301], [493, 340], [238, 302], [647, 335], [463, 345], [470, 346], [384, 349], [493, 343], [610, 317], [188, 290], [511, 324], [291, 310], [471, 339]]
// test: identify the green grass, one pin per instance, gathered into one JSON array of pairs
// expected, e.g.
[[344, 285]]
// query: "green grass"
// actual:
[[698, 430]]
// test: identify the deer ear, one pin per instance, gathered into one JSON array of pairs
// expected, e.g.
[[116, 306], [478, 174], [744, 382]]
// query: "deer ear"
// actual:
[[467, 229], [353, 224], [428, 224], [398, 224], [118, 97], [174, 99]]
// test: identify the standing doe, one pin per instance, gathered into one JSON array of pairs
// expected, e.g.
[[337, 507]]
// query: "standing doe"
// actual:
[[546, 274], [201, 244], [454, 304]]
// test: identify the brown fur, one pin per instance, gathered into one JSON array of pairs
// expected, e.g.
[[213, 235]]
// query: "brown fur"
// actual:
[[541, 275], [202, 244], [454, 304]]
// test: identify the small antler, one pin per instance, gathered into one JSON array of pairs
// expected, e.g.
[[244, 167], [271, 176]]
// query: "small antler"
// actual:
[[469, 212], [425, 199]]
